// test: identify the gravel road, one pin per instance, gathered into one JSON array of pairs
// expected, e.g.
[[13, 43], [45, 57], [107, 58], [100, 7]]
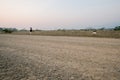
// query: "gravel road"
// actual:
[[26, 57]]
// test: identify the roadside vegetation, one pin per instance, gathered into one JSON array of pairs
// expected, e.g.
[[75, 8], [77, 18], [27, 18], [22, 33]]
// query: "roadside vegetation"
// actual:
[[102, 32], [8, 30]]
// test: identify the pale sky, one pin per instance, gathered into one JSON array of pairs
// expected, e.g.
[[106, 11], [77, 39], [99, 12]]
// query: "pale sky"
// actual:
[[56, 14]]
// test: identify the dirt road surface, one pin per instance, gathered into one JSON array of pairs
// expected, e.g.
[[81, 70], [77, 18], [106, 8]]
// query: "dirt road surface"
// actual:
[[26, 57]]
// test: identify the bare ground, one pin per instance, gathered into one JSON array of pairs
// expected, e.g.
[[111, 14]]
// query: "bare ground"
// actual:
[[25, 57]]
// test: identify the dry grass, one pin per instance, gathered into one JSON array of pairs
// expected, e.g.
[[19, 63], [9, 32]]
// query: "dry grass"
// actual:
[[27, 57], [100, 33]]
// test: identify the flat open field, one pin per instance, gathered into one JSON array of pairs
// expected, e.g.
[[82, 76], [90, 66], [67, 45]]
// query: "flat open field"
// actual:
[[25, 57]]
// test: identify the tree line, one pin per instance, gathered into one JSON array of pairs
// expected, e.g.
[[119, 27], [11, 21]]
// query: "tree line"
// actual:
[[10, 30]]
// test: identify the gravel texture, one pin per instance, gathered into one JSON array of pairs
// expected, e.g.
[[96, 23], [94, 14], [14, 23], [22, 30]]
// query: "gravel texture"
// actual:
[[26, 57]]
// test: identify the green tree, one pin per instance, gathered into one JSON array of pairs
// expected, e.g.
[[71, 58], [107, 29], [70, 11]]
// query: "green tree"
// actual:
[[9, 30], [1, 29], [117, 28]]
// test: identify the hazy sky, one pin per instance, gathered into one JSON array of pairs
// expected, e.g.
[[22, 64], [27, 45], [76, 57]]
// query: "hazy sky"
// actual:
[[55, 14]]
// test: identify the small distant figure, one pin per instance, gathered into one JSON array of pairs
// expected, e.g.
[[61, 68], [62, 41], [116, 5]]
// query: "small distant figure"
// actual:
[[30, 30]]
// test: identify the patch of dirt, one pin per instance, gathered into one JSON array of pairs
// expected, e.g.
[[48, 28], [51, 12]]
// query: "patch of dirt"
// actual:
[[25, 57]]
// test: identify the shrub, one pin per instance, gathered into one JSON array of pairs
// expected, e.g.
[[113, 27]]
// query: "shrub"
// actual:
[[117, 28], [9, 30]]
